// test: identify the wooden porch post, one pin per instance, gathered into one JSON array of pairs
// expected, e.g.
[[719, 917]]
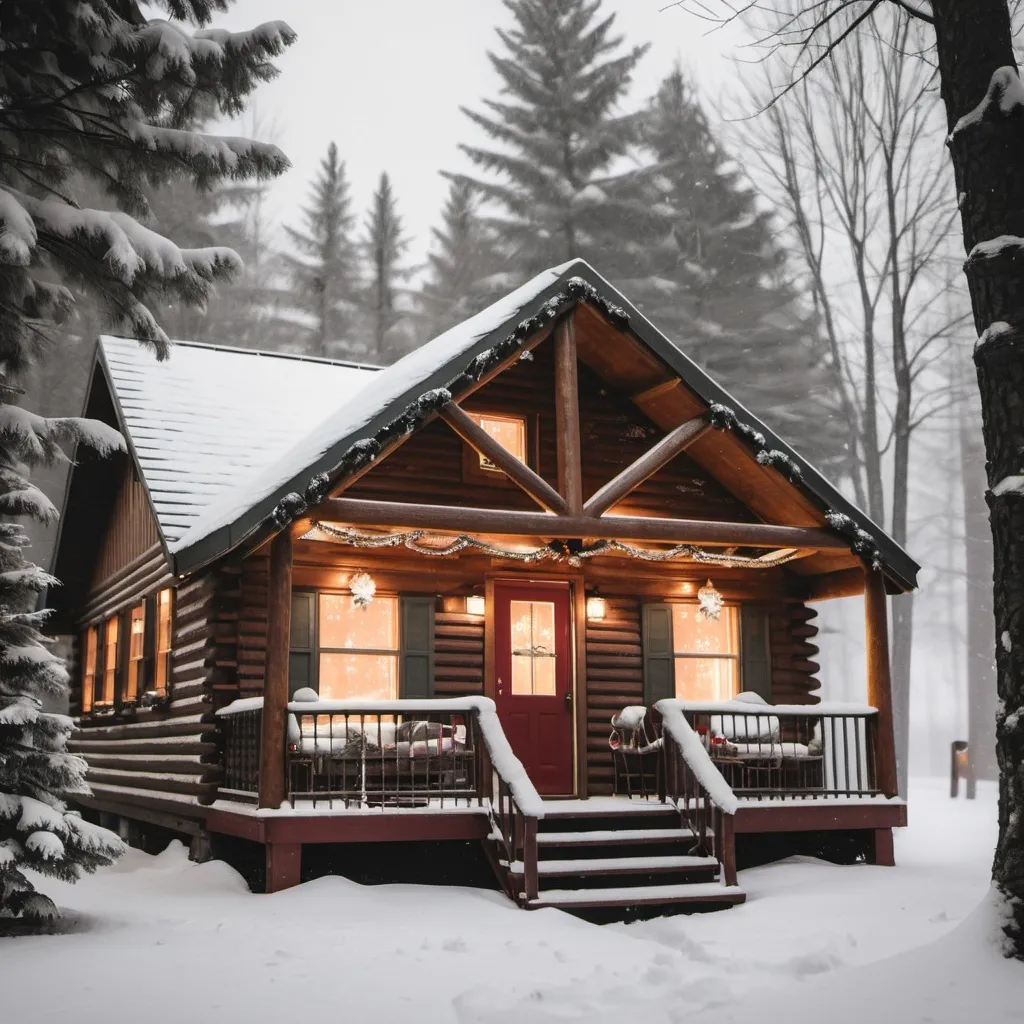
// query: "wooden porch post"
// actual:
[[567, 415], [275, 684], [879, 680]]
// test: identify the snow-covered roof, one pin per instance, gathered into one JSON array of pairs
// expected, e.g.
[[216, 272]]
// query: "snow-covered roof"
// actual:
[[205, 421], [266, 431]]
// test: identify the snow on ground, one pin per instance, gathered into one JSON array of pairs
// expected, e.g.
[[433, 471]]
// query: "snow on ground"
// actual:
[[815, 941]]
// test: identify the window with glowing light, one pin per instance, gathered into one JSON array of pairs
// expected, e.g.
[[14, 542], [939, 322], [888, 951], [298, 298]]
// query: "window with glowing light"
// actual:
[[164, 632], [135, 679], [508, 431], [90, 649], [707, 653], [111, 652]]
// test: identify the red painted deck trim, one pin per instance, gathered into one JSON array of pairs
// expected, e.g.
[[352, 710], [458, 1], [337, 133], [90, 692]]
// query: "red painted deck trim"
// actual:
[[350, 828], [777, 817]]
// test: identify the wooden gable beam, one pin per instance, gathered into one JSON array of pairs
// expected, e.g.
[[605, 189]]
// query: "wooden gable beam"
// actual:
[[518, 472], [457, 519], [567, 415], [646, 466]]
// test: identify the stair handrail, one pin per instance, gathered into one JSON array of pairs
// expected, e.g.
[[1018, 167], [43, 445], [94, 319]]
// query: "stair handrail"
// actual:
[[516, 806], [698, 789]]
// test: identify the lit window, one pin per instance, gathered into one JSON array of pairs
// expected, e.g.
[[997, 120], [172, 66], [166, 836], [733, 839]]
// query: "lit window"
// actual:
[[111, 647], [136, 651], [707, 653], [508, 431], [90, 646], [358, 648], [162, 667]]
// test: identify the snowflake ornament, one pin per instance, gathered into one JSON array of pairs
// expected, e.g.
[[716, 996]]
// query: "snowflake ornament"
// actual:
[[363, 588], [709, 601]]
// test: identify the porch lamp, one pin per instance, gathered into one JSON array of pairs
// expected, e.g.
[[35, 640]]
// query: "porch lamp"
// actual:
[[709, 602], [475, 604], [596, 608]]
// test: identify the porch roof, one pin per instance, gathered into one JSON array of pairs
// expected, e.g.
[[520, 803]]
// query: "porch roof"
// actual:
[[338, 428]]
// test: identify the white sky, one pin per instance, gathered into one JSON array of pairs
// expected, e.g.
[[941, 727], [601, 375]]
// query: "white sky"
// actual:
[[385, 80]]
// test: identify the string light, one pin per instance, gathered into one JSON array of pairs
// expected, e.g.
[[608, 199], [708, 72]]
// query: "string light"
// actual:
[[423, 542]]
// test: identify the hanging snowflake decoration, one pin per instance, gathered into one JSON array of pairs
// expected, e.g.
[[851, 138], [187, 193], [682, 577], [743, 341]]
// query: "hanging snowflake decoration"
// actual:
[[363, 588], [709, 601]]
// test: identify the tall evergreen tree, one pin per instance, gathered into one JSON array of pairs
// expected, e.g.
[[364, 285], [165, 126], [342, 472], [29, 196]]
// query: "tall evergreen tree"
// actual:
[[463, 255], [326, 269], [558, 135], [99, 91], [702, 264], [385, 243]]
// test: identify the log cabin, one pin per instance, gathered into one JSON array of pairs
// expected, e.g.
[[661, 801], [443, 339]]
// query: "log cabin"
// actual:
[[541, 585]]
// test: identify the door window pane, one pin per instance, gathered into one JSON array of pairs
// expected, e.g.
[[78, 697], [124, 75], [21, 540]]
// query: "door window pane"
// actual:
[[343, 625], [533, 647]]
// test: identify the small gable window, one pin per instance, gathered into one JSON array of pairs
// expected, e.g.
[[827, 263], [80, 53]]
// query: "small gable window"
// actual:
[[508, 431]]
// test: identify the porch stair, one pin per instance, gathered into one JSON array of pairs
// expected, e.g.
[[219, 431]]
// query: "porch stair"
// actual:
[[626, 864]]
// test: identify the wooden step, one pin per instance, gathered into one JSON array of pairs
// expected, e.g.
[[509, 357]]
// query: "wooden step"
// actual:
[[619, 866], [635, 896], [614, 837]]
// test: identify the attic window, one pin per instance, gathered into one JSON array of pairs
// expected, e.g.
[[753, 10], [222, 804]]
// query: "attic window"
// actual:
[[508, 431]]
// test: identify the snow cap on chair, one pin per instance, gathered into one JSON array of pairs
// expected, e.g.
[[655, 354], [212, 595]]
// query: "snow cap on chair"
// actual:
[[305, 693]]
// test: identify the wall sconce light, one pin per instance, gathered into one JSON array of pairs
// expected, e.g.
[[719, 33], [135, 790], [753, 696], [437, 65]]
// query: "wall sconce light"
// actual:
[[596, 608], [475, 604]]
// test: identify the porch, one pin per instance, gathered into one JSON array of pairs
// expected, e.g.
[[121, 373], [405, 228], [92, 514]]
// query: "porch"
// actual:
[[406, 771]]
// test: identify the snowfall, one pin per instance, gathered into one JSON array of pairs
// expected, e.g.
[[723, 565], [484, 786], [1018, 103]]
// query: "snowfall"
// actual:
[[168, 940]]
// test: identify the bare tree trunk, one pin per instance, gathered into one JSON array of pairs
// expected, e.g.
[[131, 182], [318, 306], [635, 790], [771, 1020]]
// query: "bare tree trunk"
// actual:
[[974, 41]]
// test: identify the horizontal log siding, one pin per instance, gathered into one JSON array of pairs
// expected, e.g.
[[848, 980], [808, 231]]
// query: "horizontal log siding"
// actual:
[[429, 466], [794, 672], [614, 679], [164, 761], [458, 654]]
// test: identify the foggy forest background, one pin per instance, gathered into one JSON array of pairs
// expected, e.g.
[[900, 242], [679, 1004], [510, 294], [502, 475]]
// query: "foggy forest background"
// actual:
[[814, 274]]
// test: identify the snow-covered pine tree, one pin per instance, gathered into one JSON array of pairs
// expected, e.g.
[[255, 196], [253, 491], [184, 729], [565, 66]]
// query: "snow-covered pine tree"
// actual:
[[325, 271], [558, 135], [384, 245], [701, 262], [463, 254], [96, 92]]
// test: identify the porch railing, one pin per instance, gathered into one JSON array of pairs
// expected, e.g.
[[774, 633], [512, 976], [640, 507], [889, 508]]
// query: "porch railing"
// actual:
[[379, 754], [787, 751], [691, 781]]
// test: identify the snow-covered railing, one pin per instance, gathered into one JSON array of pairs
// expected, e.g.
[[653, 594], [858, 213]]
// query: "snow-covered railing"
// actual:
[[385, 753], [693, 783], [779, 751]]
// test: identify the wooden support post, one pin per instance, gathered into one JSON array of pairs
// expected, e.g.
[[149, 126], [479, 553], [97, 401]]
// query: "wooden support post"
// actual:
[[879, 679], [284, 865], [882, 851], [567, 415], [275, 683]]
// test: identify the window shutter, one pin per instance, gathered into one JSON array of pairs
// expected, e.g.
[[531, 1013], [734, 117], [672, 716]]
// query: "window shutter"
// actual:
[[300, 654], [659, 662], [755, 651], [416, 679]]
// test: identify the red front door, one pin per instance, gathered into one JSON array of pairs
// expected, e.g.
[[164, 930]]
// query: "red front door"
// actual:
[[533, 684]]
